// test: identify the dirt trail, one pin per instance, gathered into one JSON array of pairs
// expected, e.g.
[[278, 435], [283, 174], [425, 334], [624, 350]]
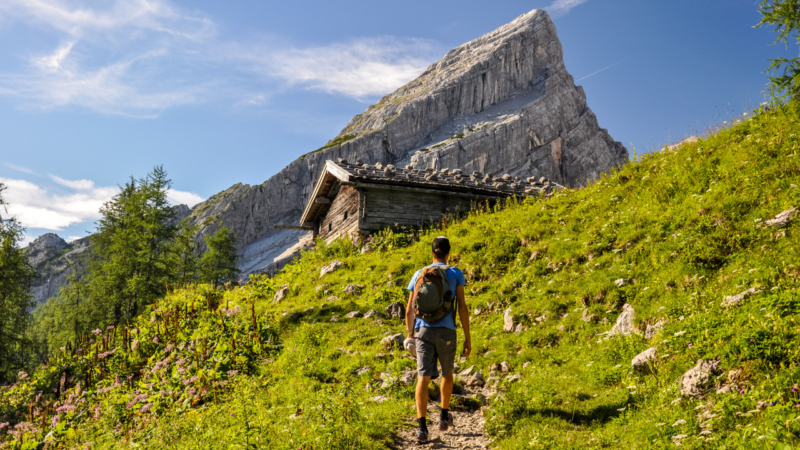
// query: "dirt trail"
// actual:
[[467, 433]]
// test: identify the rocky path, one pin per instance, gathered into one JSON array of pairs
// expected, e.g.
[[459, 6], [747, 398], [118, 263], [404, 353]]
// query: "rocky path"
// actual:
[[467, 433]]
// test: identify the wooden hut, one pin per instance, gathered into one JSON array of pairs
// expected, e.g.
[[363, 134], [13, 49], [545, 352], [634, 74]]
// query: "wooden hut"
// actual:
[[351, 200]]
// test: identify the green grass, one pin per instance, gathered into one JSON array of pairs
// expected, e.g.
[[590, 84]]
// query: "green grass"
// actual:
[[681, 226]]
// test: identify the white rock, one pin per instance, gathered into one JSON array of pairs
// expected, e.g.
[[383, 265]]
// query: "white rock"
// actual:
[[335, 264], [782, 218], [698, 381], [624, 323], [619, 282], [394, 340], [396, 311], [654, 329], [352, 314], [508, 321], [280, 295], [736, 300], [372, 313], [643, 362]]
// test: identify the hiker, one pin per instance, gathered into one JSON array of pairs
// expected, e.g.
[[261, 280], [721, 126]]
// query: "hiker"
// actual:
[[437, 291]]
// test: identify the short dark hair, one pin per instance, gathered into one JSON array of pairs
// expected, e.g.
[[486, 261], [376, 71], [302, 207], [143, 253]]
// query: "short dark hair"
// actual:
[[441, 247]]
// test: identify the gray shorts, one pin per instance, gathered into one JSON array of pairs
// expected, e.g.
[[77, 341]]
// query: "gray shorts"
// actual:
[[434, 344]]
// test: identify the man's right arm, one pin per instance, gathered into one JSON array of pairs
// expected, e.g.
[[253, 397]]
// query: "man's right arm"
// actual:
[[410, 315]]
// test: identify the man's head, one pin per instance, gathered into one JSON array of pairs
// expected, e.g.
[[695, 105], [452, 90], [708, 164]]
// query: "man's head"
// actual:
[[440, 248]]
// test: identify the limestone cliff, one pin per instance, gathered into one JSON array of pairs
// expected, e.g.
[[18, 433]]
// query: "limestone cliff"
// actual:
[[503, 103]]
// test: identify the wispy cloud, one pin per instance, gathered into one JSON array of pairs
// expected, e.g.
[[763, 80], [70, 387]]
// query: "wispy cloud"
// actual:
[[358, 69], [562, 7], [76, 184], [20, 168], [37, 207], [140, 57], [604, 68]]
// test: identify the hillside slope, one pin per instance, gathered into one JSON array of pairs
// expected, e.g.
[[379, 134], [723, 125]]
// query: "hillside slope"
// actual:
[[277, 364]]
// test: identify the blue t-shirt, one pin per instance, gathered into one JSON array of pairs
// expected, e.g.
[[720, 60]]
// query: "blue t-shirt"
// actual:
[[455, 278]]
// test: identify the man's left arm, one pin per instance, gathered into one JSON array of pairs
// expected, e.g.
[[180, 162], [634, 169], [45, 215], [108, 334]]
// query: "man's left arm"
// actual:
[[463, 314]]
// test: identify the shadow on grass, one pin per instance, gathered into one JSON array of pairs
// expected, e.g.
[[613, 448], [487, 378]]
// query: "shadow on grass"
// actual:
[[598, 415]]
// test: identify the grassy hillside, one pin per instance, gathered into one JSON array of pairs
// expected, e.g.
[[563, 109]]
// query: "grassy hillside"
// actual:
[[682, 228]]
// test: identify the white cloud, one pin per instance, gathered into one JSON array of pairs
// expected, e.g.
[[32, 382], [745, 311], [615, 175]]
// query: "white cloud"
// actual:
[[183, 198], [140, 57], [76, 184], [73, 238], [562, 7], [36, 207]]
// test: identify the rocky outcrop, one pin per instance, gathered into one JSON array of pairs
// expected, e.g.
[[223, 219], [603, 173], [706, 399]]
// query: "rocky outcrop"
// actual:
[[54, 260], [503, 103]]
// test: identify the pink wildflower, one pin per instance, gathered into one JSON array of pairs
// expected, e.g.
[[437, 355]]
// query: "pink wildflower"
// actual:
[[96, 331], [155, 340]]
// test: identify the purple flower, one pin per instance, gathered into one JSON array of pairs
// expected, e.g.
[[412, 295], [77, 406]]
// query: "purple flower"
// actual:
[[189, 381], [22, 376], [91, 341], [110, 327], [794, 388], [135, 344], [155, 340], [751, 340], [146, 407], [690, 344], [53, 421]]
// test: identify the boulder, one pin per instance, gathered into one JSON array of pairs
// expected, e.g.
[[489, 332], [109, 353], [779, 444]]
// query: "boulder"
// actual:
[[394, 340], [372, 313], [280, 295], [352, 289], [733, 382], [332, 267], [736, 300], [519, 328], [334, 319], [408, 377], [353, 314], [654, 329], [624, 323], [781, 219], [644, 362], [504, 367], [319, 288], [396, 311], [698, 380], [508, 321], [332, 298], [619, 282], [466, 372]]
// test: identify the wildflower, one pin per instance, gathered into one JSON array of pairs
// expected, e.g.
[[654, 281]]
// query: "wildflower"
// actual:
[[22, 376], [797, 406], [169, 348], [689, 344], [110, 327], [3, 425], [232, 372], [96, 331], [53, 421], [134, 344], [155, 340], [146, 407], [62, 348], [91, 341], [794, 388], [751, 340], [189, 381]]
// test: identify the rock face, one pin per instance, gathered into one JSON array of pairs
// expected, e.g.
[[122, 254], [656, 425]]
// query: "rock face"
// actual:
[[502, 103], [54, 260], [624, 323]]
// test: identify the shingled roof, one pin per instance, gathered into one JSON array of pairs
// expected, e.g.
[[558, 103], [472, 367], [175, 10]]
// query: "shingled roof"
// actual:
[[451, 180]]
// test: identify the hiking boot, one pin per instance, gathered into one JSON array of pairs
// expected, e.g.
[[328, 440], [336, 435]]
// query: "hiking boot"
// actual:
[[422, 435], [444, 424]]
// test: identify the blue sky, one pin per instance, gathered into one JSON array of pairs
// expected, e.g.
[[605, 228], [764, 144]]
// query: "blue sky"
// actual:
[[92, 92]]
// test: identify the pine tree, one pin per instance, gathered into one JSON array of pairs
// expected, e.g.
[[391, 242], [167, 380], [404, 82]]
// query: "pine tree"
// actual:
[[785, 16], [186, 258], [16, 278], [218, 264]]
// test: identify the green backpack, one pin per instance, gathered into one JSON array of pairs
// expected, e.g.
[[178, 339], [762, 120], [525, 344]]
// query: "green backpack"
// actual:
[[433, 298]]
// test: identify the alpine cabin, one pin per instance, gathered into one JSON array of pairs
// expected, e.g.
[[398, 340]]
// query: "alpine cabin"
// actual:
[[353, 200]]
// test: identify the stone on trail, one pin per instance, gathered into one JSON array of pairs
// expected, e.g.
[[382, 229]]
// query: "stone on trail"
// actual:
[[396, 311], [476, 379], [624, 323], [466, 372], [353, 314], [394, 340], [379, 398], [698, 380], [736, 300], [508, 321], [335, 264], [373, 313], [408, 377], [643, 362], [280, 295]]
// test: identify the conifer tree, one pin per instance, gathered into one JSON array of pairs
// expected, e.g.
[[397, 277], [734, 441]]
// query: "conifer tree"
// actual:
[[16, 278], [218, 264], [784, 15], [186, 254]]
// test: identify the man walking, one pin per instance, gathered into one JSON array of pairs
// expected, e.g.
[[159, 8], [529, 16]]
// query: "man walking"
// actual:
[[430, 320]]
